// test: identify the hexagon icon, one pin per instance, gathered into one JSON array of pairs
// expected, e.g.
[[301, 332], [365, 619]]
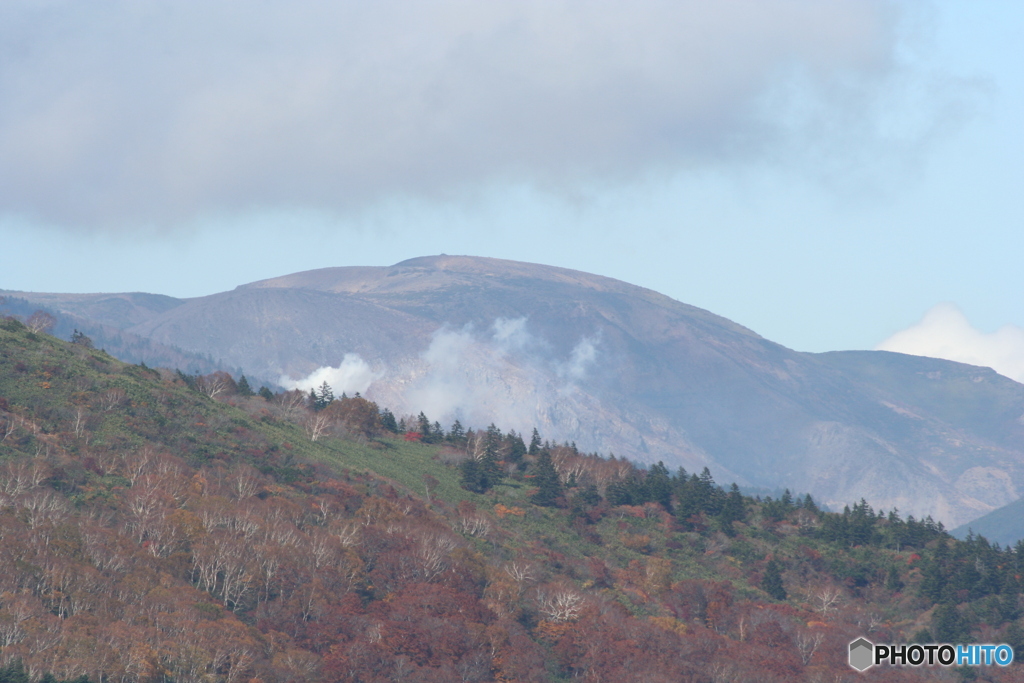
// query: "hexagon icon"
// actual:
[[861, 654]]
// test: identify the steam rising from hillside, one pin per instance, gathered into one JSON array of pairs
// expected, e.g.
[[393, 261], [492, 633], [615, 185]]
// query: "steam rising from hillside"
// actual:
[[353, 375], [503, 374]]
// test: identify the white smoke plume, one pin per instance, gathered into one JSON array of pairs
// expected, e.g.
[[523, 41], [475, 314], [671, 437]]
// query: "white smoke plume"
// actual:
[[504, 374], [582, 357], [353, 375], [944, 332]]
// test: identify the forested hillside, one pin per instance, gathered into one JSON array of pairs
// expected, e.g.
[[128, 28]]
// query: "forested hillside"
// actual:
[[161, 526]]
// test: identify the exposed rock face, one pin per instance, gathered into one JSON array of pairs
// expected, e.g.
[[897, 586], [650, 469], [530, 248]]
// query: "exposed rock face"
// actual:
[[618, 368]]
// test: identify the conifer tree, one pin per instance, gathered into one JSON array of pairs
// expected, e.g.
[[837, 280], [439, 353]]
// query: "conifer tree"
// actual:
[[534, 443], [658, 485], [549, 488], [733, 510], [243, 387], [324, 397], [266, 393], [423, 426], [771, 582], [456, 435], [387, 421]]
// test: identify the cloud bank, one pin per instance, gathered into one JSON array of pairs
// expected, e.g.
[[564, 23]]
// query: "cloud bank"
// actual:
[[119, 113], [944, 332]]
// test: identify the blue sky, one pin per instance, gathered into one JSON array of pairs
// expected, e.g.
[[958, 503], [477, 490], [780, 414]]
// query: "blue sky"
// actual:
[[824, 174]]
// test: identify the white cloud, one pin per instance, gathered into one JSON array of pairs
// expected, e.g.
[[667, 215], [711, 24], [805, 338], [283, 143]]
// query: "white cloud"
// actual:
[[125, 113], [944, 332], [353, 375]]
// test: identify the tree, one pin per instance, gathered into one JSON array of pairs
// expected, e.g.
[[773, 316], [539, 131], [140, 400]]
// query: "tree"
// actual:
[[266, 394], [733, 510], [243, 388], [215, 384], [322, 398], [40, 321], [549, 488], [534, 443], [658, 485], [771, 582], [472, 477], [423, 427], [80, 339], [387, 421], [456, 435], [948, 625]]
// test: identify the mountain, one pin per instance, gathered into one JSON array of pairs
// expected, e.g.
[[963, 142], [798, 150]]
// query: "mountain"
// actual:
[[152, 532], [1004, 525], [614, 368]]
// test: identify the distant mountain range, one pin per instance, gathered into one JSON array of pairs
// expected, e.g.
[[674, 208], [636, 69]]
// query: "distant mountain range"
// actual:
[[608, 365]]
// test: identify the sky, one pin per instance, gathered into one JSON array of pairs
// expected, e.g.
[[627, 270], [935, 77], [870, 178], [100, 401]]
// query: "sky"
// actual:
[[841, 174]]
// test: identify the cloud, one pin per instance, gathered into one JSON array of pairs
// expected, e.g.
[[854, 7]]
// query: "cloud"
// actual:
[[119, 113], [352, 376], [944, 332]]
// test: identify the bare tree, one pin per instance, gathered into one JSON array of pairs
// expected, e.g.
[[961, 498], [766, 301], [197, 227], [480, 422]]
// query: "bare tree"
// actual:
[[78, 420], [433, 552], [111, 398], [807, 644], [316, 425], [6, 428], [291, 402], [564, 604], [475, 525], [826, 599], [520, 572], [214, 384], [40, 321], [245, 482]]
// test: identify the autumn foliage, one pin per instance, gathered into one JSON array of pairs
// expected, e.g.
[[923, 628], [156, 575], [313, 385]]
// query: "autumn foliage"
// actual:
[[155, 527]]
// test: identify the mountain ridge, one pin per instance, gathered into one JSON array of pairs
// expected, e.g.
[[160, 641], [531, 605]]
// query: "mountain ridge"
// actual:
[[619, 368]]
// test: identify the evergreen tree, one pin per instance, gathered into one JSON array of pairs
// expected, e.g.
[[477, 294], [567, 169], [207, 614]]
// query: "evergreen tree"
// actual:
[[948, 625], [1014, 637], [534, 443], [549, 488], [243, 387], [14, 673], [456, 435], [514, 448], [266, 393], [323, 398], [423, 427], [810, 505], [387, 421], [771, 582], [472, 477], [658, 483], [733, 510], [617, 493]]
